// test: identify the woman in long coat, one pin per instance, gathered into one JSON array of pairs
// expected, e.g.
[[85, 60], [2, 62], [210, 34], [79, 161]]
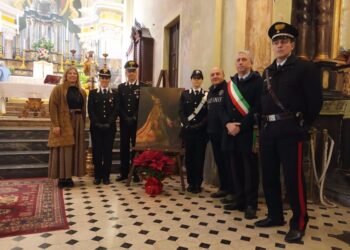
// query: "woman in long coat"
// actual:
[[67, 107]]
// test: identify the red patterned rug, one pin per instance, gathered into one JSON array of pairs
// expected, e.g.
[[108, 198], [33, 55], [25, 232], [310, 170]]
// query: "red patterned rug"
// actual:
[[31, 206]]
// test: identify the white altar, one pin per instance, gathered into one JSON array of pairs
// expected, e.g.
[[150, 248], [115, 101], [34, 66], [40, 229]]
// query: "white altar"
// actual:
[[23, 87]]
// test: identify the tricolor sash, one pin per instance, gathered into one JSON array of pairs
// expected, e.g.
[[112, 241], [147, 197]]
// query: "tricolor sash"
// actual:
[[237, 98]]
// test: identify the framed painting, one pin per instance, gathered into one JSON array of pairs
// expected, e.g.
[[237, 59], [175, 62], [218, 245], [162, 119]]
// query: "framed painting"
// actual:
[[158, 124]]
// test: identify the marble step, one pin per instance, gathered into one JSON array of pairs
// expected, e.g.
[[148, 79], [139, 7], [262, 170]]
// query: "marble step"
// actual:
[[23, 170], [30, 114], [10, 171], [21, 157], [15, 122], [24, 132], [34, 157], [26, 144], [28, 133], [23, 144]]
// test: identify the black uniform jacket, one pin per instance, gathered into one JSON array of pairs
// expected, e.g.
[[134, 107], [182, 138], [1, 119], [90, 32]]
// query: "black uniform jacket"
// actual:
[[297, 85], [215, 99], [188, 103], [129, 95], [250, 88], [103, 108]]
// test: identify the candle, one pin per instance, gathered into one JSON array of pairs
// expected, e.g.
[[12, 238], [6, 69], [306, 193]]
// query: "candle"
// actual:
[[67, 30], [17, 23], [105, 46]]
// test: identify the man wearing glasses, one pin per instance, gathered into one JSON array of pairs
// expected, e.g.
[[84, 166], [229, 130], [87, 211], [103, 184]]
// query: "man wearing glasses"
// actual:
[[129, 95]]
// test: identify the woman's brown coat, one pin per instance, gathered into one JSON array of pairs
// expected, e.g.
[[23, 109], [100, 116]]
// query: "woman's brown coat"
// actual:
[[60, 116]]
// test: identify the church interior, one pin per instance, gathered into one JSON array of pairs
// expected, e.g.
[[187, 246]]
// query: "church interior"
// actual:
[[40, 39]]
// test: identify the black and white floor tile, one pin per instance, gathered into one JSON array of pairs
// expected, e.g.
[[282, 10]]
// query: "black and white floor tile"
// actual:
[[120, 217]]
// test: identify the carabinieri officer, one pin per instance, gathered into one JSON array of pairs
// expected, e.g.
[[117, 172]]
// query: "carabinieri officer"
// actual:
[[103, 112], [193, 115], [290, 102], [129, 96]]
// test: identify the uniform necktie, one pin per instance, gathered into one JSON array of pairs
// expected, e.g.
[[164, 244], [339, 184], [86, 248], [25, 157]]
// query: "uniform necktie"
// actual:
[[279, 67], [196, 92], [104, 91]]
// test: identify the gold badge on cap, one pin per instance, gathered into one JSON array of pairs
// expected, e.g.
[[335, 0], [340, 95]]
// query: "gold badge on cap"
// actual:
[[131, 63], [279, 27]]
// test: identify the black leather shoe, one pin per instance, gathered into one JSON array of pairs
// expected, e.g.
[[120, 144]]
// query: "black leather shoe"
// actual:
[[197, 190], [61, 183], [69, 183], [228, 199], [269, 222], [294, 236], [250, 213], [106, 182], [234, 206], [189, 189], [97, 181], [121, 178], [219, 194]]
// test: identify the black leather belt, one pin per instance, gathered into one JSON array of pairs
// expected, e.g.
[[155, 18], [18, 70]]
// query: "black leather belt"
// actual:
[[278, 117], [75, 111]]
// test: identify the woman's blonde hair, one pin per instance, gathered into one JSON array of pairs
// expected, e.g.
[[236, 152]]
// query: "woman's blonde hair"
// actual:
[[64, 79]]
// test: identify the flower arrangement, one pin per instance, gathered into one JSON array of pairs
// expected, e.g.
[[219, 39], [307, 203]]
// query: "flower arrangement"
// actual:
[[153, 166], [43, 54], [43, 47]]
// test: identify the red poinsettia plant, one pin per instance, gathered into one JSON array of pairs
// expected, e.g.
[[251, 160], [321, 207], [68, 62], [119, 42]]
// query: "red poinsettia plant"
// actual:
[[153, 166]]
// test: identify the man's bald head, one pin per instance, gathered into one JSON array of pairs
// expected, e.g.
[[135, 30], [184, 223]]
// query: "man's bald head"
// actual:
[[217, 75]]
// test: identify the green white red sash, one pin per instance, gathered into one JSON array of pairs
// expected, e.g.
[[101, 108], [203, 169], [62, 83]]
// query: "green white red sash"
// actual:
[[237, 98]]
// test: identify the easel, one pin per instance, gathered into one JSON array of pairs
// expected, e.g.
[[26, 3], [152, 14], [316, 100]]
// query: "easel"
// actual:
[[163, 76], [176, 152]]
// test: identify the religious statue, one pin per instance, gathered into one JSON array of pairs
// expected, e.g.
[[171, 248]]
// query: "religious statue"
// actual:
[[90, 66]]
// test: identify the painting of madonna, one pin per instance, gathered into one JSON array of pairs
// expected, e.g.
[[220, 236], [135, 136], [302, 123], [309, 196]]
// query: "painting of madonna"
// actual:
[[158, 123]]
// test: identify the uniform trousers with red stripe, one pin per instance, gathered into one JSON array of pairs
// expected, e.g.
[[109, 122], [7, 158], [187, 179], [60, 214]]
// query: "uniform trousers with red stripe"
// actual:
[[285, 152]]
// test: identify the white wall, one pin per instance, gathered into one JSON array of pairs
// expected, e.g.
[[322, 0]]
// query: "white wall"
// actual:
[[196, 33], [198, 21]]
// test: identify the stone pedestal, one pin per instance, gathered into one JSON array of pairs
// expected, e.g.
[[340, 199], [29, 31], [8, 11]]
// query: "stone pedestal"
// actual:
[[41, 69]]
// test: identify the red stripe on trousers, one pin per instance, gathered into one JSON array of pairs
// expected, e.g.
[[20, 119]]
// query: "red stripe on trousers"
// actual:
[[301, 187]]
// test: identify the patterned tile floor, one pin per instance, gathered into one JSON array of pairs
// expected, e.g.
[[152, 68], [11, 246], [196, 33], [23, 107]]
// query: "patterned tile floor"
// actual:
[[118, 217]]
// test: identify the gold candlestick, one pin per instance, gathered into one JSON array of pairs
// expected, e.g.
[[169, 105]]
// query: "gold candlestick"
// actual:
[[18, 57], [67, 53], [73, 51], [23, 66], [82, 54], [61, 70], [105, 59]]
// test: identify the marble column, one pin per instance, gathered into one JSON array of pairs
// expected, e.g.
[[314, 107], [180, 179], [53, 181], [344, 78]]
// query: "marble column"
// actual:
[[323, 29], [257, 41], [303, 21]]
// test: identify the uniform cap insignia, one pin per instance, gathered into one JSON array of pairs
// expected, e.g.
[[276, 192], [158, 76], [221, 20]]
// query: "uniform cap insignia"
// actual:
[[279, 27]]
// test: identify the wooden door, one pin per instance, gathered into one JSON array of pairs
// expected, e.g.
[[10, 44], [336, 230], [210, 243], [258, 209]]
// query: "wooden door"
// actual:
[[174, 54]]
